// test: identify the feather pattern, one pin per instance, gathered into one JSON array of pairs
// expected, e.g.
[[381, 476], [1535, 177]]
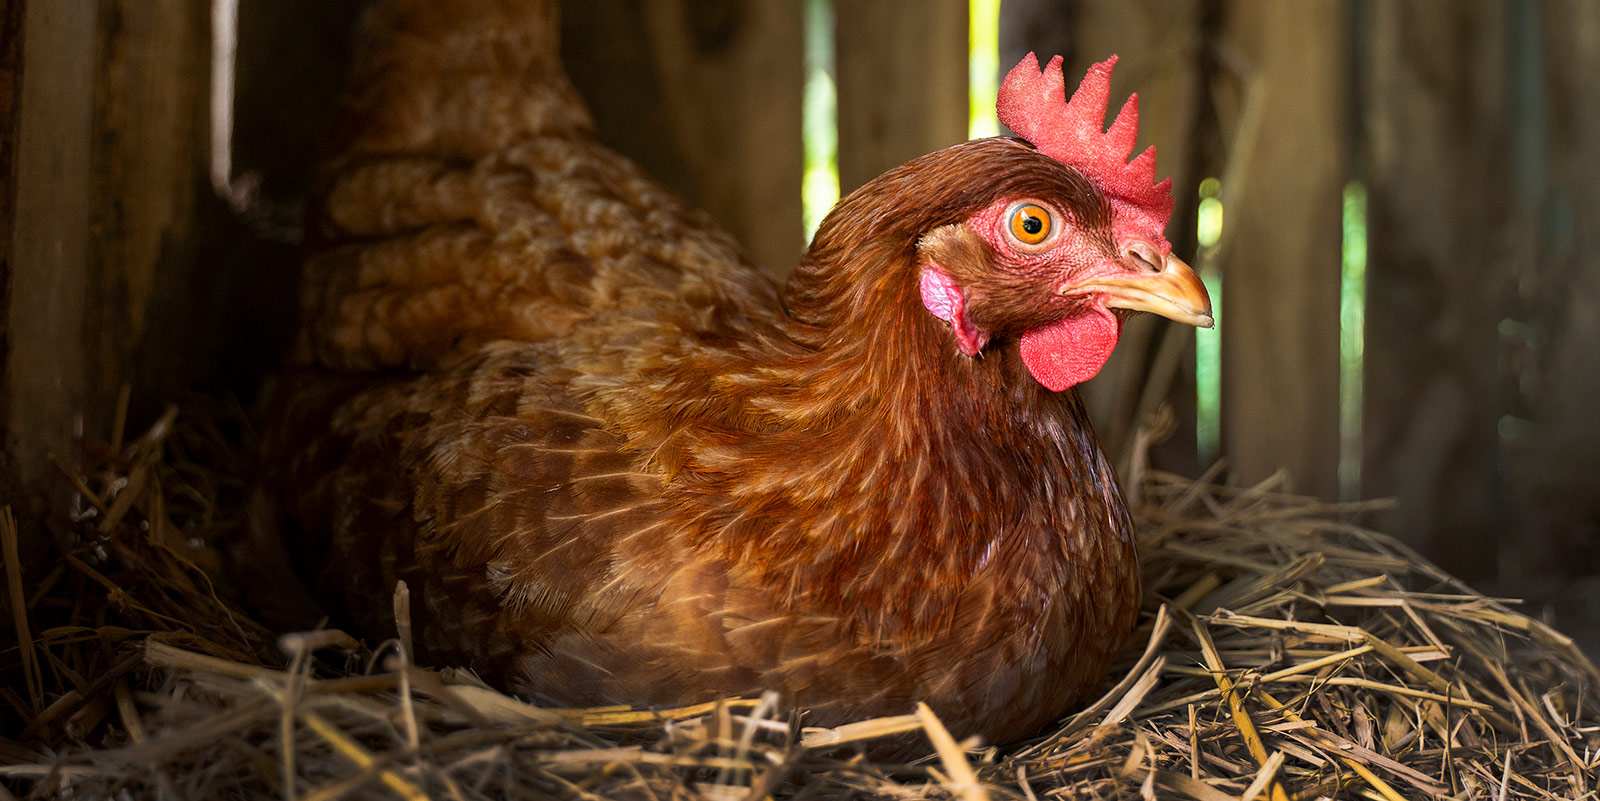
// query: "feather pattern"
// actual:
[[615, 465]]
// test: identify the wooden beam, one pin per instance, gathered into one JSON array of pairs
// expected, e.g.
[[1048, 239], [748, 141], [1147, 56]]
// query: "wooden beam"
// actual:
[[1552, 433], [155, 316], [10, 91], [902, 83], [13, 485], [1280, 310], [46, 373], [1439, 283], [706, 97], [106, 285]]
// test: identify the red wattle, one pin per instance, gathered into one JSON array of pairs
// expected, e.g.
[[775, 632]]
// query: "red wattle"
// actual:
[[1070, 350]]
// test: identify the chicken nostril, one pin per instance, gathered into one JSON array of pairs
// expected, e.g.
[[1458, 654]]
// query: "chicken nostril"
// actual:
[[1142, 256]]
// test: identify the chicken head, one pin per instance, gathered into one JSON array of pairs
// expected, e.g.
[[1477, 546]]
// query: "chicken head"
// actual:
[[1060, 267]]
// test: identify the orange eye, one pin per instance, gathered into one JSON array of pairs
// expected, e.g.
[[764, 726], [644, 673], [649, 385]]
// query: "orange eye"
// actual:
[[1030, 223]]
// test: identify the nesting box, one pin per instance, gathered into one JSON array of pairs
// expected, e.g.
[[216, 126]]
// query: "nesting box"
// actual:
[[1408, 288]]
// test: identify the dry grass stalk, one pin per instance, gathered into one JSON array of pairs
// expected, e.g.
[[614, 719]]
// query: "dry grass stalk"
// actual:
[[1285, 655]]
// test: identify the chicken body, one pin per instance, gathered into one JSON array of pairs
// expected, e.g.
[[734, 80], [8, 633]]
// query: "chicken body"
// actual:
[[613, 465]]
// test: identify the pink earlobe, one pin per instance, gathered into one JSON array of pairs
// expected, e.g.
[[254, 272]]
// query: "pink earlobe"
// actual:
[[946, 301], [939, 292]]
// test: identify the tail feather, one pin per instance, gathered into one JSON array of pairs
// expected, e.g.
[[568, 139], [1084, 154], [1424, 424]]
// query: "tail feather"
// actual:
[[459, 80], [467, 201], [400, 270]]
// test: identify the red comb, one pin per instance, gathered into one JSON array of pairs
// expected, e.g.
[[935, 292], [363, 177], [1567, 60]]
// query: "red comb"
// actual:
[[1072, 133]]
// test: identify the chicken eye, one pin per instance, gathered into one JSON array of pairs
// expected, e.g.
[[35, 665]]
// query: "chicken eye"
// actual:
[[1030, 223]]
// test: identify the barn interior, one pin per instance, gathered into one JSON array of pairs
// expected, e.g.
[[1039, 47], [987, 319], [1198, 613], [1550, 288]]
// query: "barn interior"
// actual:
[[1391, 203]]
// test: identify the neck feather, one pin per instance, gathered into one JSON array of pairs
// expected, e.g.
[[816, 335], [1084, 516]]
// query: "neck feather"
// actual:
[[879, 464], [855, 458]]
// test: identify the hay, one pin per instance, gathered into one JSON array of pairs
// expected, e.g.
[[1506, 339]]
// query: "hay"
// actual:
[[1284, 653]]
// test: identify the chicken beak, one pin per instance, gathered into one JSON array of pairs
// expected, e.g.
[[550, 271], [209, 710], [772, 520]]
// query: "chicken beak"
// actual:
[[1174, 291]]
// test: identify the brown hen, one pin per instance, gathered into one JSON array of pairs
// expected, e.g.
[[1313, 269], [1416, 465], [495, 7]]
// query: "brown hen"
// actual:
[[616, 466]]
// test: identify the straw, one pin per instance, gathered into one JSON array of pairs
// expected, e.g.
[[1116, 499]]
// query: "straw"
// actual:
[[1284, 653]]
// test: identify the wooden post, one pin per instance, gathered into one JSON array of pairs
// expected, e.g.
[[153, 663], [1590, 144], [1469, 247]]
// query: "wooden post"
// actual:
[[155, 317], [46, 373], [706, 97], [10, 88], [105, 283], [902, 79], [1553, 434], [1439, 280], [1280, 316], [11, 15]]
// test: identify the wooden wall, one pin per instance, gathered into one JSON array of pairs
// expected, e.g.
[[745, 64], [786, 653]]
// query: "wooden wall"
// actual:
[[1552, 430], [706, 96], [47, 277], [900, 93], [1439, 135], [1471, 124]]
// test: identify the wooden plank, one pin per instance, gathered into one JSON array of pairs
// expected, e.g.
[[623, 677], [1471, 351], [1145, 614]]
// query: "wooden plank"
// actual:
[[12, 488], [1439, 188], [706, 97], [154, 318], [1158, 46], [902, 83], [46, 374], [106, 284], [1550, 441], [1280, 315], [10, 89]]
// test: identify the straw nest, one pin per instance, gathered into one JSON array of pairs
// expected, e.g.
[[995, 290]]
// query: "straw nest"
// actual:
[[1283, 653]]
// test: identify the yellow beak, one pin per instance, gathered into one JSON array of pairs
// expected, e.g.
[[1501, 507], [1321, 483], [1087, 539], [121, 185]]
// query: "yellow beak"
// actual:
[[1174, 292]]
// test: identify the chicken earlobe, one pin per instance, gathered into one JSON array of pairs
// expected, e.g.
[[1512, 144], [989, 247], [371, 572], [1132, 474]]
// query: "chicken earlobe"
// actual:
[[944, 298]]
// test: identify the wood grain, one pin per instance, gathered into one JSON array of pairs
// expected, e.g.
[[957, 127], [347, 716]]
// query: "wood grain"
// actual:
[[46, 369], [902, 82], [1439, 278], [1280, 317], [706, 97], [153, 318]]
